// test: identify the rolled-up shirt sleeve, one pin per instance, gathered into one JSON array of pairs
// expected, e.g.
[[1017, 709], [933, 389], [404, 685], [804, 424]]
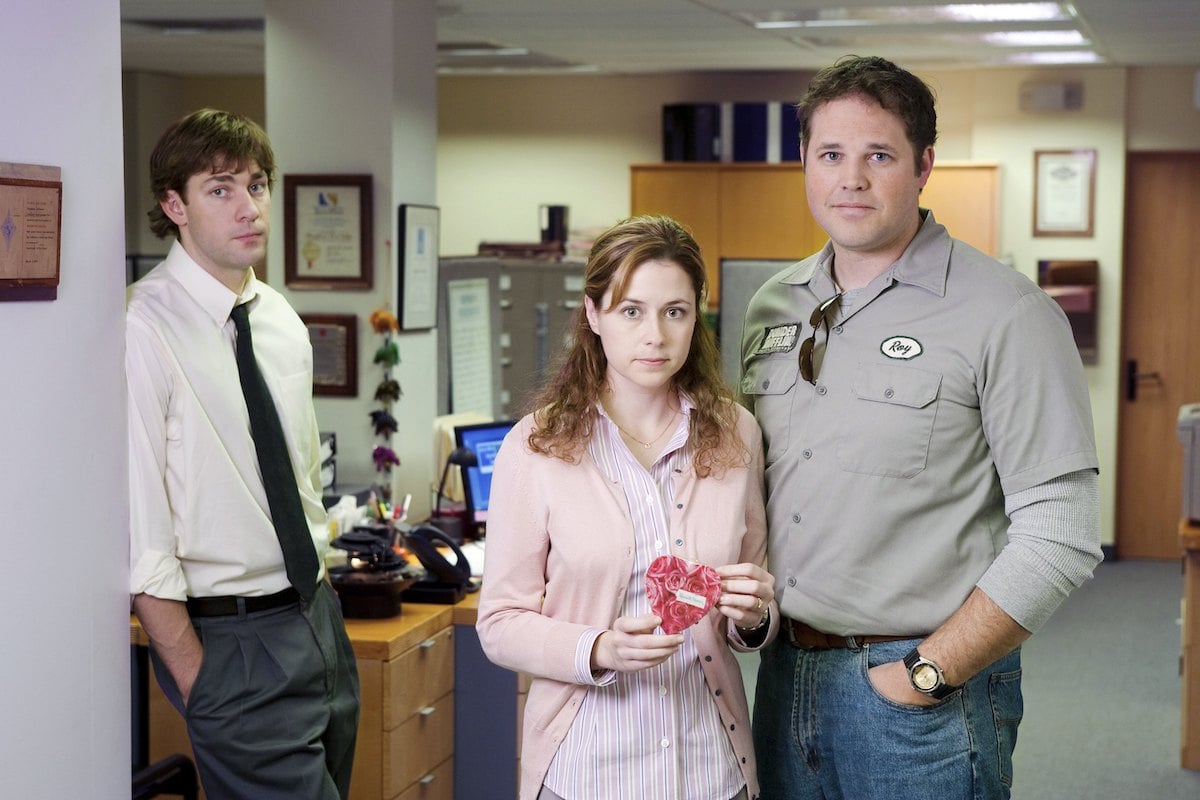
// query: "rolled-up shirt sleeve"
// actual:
[[154, 567], [1053, 547]]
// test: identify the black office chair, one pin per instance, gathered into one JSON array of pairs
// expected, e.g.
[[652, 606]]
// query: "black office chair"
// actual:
[[173, 775]]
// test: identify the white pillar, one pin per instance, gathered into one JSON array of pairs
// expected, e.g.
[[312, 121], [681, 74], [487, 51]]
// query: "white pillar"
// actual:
[[63, 490], [352, 88]]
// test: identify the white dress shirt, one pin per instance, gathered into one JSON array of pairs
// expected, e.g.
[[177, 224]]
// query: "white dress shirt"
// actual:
[[199, 520]]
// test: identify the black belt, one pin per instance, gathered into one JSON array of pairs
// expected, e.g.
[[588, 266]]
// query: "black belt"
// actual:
[[230, 605], [807, 637]]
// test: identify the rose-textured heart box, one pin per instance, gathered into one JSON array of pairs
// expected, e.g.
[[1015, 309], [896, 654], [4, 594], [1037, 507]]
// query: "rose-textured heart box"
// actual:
[[680, 592]]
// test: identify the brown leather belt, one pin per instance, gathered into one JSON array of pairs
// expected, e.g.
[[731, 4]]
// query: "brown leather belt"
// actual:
[[227, 605], [807, 637]]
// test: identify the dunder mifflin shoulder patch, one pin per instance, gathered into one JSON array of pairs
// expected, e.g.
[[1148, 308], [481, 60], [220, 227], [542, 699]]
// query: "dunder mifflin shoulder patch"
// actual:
[[779, 339]]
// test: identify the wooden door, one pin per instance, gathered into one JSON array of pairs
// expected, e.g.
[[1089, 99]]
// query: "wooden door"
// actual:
[[1160, 345]]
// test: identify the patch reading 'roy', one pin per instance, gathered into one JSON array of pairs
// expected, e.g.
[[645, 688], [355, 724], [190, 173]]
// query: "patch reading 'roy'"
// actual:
[[779, 339], [903, 347]]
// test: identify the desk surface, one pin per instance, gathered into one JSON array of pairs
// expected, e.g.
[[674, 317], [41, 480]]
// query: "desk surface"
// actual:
[[1189, 535], [387, 638]]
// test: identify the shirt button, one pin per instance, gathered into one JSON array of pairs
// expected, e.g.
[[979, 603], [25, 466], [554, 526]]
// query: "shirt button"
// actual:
[[796, 518], [766, 384], [658, 545], [662, 690], [717, 692], [807, 453], [791, 581], [679, 505], [679, 542], [889, 393], [837, 328], [665, 743], [822, 389]]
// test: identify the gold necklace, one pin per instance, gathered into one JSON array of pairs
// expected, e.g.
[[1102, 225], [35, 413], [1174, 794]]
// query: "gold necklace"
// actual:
[[646, 445]]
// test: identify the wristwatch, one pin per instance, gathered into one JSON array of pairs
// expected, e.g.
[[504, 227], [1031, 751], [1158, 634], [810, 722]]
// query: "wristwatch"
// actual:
[[926, 676]]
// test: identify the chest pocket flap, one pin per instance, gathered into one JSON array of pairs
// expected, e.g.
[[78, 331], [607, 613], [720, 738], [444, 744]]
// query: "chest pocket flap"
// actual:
[[901, 386], [771, 375], [893, 413]]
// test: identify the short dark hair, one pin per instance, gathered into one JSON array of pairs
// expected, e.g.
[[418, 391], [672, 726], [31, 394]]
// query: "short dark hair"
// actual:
[[896, 90], [205, 140]]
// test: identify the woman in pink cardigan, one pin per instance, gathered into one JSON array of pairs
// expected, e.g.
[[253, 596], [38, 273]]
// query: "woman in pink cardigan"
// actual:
[[636, 451]]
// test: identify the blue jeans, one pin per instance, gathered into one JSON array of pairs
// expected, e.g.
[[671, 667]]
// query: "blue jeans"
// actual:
[[822, 732]]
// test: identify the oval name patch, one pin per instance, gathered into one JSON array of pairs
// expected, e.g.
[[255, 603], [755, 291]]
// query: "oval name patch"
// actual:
[[903, 347]]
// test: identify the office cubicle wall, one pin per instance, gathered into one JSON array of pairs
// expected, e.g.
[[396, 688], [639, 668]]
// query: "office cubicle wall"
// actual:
[[740, 279]]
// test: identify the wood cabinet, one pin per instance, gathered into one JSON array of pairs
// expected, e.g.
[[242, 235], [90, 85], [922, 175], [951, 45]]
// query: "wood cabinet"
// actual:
[[406, 731], [1189, 540], [760, 211]]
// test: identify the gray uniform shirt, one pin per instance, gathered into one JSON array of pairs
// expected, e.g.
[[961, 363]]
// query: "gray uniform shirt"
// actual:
[[948, 383]]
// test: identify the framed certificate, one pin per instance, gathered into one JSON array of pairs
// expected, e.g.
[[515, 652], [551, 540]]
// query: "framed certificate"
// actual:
[[334, 340], [417, 286], [1064, 192], [328, 242]]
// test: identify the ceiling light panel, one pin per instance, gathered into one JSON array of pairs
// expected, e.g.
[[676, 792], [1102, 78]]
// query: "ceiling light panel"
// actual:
[[961, 13]]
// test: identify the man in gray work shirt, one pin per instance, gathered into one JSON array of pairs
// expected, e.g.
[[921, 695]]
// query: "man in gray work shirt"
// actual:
[[930, 464]]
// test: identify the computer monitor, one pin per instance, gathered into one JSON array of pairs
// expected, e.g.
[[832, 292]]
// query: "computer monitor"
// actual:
[[484, 440]]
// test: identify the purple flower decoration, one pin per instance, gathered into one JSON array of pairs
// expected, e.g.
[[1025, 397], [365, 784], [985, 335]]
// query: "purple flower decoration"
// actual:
[[385, 458], [384, 422]]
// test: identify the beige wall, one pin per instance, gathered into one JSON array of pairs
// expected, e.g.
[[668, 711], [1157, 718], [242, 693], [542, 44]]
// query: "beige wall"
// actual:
[[1162, 113]]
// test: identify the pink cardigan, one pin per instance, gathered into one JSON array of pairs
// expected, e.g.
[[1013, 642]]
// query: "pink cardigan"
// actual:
[[559, 555]]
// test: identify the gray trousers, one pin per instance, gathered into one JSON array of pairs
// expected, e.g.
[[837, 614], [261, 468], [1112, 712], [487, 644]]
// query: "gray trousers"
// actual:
[[274, 710]]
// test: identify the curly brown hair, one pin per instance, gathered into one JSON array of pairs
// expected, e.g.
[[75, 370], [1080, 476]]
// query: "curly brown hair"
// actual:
[[565, 407]]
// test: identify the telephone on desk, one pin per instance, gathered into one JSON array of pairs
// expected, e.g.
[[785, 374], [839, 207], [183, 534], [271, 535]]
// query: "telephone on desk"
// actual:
[[443, 582], [377, 578]]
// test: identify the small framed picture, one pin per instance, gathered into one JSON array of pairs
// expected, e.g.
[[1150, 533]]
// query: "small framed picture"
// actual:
[[417, 285], [328, 242], [1064, 192], [334, 340]]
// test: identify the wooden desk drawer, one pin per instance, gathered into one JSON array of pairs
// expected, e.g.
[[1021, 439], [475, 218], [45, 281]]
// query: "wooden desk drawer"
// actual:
[[417, 677], [438, 784], [417, 745]]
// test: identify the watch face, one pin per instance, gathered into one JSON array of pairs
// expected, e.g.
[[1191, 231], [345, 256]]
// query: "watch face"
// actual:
[[925, 677]]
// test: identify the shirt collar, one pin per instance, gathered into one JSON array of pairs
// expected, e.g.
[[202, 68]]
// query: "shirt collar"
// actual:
[[209, 293], [924, 263]]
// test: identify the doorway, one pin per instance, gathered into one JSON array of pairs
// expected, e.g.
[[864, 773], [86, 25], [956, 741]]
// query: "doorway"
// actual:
[[1160, 347]]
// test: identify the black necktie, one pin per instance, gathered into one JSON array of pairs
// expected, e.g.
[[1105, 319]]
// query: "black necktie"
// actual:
[[283, 497]]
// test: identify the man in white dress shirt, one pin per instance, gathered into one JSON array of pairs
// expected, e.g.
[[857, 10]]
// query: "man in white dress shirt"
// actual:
[[255, 658]]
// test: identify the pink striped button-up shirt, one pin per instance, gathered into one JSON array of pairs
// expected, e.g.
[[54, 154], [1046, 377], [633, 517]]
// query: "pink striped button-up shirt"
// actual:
[[654, 734]]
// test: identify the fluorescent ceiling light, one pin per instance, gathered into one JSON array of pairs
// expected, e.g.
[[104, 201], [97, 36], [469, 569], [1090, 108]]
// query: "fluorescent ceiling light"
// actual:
[[1034, 39], [484, 52], [1025, 39], [909, 15], [1056, 57]]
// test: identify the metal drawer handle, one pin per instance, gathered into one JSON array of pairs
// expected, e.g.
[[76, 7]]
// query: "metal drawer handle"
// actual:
[[428, 643], [426, 711], [428, 779]]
